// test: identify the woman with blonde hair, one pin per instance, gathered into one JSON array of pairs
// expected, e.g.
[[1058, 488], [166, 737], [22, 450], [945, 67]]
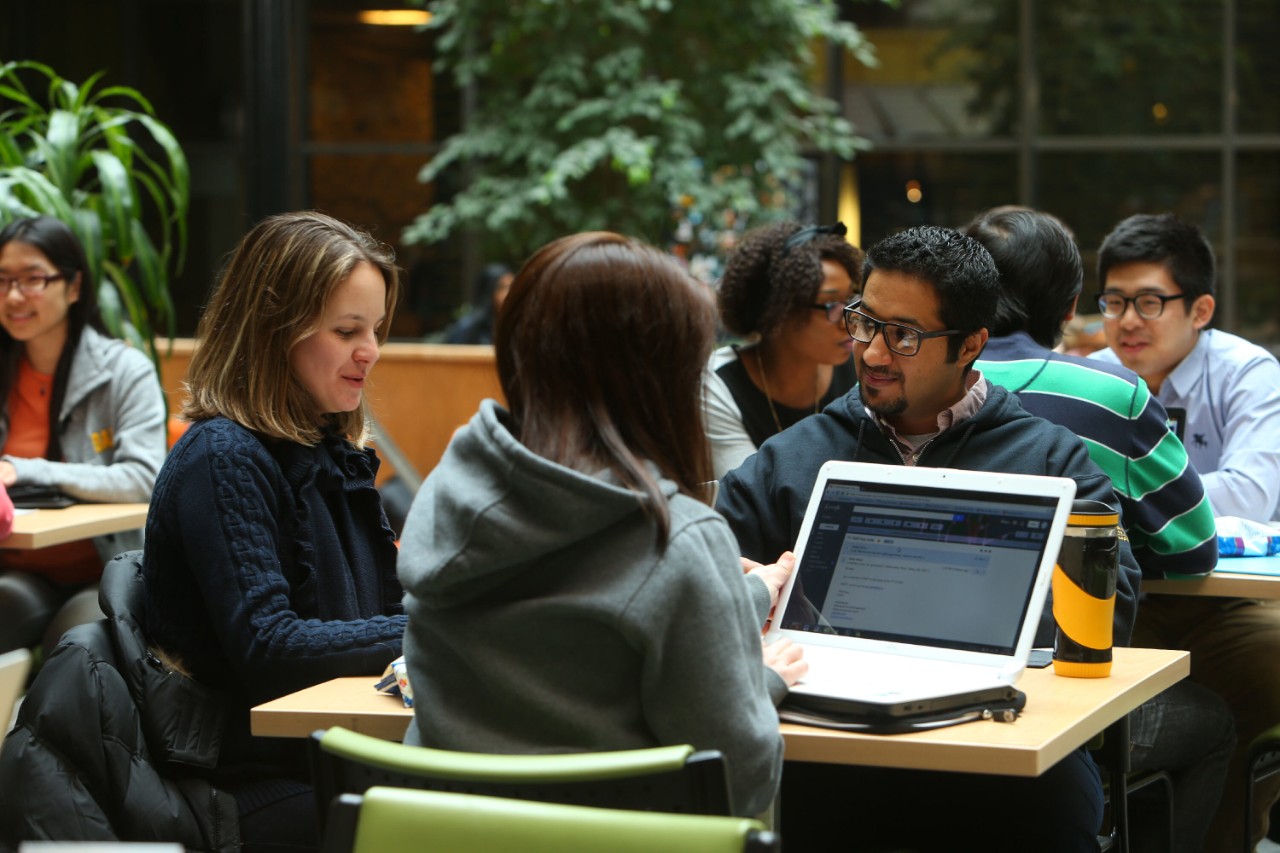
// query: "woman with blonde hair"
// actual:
[[566, 542], [269, 565]]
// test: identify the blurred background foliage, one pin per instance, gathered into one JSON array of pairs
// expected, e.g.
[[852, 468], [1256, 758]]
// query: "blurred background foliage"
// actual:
[[639, 116]]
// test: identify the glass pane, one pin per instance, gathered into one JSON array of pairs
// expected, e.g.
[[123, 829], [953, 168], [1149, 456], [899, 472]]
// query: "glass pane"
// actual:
[[1257, 66], [368, 84], [1091, 192], [1141, 67], [937, 61], [1258, 248], [898, 191], [381, 194]]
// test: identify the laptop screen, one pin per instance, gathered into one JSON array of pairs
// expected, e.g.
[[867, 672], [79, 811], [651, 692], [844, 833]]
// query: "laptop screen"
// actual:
[[930, 566]]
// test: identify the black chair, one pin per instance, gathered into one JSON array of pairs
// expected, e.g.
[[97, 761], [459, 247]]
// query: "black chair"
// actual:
[[674, 779], [1263, 762]]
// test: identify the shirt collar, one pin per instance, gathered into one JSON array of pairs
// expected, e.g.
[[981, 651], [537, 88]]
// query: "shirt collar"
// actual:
[[966, 407]]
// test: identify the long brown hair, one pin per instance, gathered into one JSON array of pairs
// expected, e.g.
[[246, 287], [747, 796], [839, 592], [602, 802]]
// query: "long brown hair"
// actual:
[[600, 347], [269, 298]]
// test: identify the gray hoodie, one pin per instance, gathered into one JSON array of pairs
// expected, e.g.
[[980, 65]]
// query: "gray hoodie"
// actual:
[[543, 619]]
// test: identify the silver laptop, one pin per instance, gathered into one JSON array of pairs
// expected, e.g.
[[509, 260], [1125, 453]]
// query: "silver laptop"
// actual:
[[918, 590]]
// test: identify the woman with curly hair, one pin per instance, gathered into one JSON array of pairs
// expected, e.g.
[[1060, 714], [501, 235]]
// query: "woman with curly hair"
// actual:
[[784, 291]]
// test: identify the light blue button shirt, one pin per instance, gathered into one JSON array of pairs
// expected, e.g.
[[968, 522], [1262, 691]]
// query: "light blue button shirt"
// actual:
[[1230, 389]]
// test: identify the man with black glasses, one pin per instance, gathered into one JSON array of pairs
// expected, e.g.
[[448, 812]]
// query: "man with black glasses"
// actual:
[[929, 293], [1156, 276]]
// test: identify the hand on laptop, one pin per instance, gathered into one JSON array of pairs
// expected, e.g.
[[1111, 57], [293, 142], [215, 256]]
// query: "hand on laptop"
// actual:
[[787, 659], [774, 575]]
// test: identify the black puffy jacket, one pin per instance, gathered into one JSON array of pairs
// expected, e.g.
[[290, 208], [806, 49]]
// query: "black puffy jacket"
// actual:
[[110, 743]]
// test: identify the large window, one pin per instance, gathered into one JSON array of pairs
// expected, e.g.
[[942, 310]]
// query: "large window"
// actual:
[[1087, 113]]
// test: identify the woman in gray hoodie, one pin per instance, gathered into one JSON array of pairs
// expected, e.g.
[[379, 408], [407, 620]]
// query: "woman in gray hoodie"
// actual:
[[568, 586]]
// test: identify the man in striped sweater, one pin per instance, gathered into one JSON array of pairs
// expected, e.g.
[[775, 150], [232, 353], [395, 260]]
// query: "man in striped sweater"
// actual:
[[1188, 730]]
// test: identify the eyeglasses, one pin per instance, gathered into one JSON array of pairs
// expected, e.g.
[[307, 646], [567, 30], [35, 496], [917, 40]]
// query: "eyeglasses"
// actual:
[[28, 282], [904, 340], [1148, 305], [833, 310]]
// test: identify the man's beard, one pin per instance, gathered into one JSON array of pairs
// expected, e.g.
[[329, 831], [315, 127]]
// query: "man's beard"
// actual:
[[886, 408]]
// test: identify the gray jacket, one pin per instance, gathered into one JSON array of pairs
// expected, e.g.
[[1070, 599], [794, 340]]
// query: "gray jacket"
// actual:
[[113, 430], [542, 617]]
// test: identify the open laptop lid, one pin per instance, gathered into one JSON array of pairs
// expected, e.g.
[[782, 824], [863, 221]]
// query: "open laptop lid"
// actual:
[[935, 563]]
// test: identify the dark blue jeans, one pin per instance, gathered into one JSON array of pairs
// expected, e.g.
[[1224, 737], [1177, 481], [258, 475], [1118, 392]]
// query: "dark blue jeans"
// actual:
[[833, 807], [1188, 731]]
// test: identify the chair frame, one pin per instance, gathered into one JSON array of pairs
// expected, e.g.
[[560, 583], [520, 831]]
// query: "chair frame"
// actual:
[[674, 779], [344, 823]]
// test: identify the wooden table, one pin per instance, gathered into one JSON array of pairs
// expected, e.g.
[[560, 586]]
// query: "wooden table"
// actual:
[[1061, 714], [1259, 578], [41, 528]]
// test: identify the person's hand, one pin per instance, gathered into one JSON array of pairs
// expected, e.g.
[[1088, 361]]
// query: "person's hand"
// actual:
[[774, 574], [787, 659], [9, 475]]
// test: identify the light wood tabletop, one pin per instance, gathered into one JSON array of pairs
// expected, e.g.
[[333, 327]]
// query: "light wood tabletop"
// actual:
[[1061, 715], [1235, 577], [41, 528]]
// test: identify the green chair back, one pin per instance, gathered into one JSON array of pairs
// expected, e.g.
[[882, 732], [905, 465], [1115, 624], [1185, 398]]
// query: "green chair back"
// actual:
[[674, 779], [384, 819]]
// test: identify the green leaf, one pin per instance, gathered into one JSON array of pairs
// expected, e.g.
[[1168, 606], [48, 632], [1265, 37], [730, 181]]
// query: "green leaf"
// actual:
[[118, 207], [60, 152], [36, 190]]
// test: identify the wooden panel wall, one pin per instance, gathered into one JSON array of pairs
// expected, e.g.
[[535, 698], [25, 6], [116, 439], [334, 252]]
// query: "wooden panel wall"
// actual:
[[420, 393]]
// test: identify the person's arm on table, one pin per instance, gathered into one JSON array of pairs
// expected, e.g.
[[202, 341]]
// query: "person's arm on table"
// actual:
[[1166, 512], [704, 681], [140, 440]]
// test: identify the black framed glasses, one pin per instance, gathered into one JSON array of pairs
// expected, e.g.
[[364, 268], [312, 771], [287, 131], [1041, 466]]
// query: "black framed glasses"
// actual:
[[28, 282], [1148, 305], [833, 310], [904, 340]]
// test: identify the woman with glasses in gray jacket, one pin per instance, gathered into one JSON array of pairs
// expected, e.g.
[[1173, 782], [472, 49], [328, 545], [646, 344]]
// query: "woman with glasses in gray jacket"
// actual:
[[80, 413]]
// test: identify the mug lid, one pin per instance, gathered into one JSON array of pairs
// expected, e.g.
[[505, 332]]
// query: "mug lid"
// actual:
[[1090, 513]]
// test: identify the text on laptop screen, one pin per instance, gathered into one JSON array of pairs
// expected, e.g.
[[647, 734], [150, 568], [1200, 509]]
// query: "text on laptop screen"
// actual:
[[920, 565]]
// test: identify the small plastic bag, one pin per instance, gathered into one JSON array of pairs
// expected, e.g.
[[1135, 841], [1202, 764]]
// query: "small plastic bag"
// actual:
[[395, 681], [1242, 537]]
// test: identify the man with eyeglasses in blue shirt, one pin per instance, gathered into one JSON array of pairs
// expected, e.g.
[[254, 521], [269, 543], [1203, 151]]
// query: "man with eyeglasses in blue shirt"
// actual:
[[921, 322], [1156, 276]]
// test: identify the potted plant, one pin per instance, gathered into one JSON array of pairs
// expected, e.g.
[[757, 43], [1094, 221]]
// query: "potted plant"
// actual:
[[99, 160]]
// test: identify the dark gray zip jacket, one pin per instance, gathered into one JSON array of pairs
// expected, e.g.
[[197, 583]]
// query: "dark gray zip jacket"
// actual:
[[765, 499]]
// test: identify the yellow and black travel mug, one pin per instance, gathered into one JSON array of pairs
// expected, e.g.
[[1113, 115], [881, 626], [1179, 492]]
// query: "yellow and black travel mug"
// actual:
[[1084, 591]]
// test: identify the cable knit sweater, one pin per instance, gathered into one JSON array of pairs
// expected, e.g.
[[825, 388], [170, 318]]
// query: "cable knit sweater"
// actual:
[[269, 567]]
